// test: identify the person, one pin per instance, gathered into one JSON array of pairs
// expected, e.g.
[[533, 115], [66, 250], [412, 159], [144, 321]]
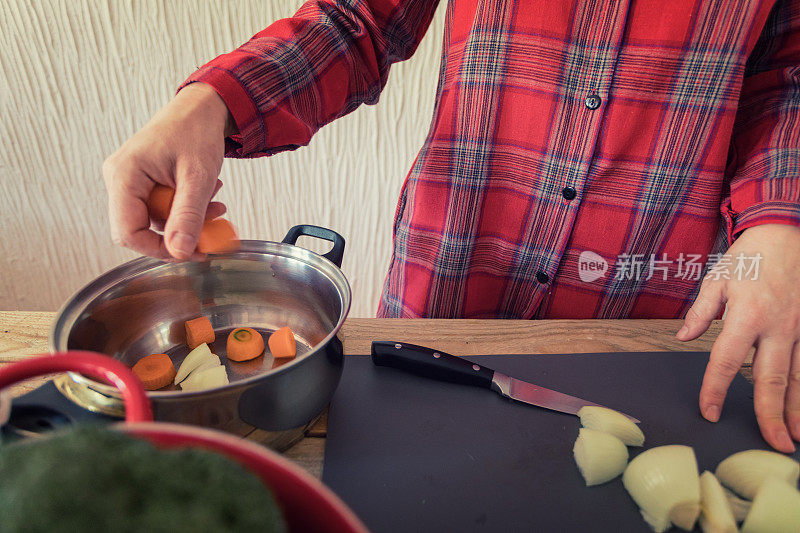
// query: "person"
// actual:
[[585, 159]]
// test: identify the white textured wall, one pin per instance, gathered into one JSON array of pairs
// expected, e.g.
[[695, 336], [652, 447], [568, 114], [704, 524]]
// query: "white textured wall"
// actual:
[[80, 76]]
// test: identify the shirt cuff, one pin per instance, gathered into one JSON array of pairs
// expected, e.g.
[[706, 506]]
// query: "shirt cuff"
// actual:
[[251, 139], [770, 212]]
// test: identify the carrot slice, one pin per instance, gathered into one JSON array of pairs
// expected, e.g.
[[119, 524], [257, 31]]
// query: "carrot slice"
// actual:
[[198, 331], [155, 371], [282, 344], [217, 236], [160, 202], [244, 344]]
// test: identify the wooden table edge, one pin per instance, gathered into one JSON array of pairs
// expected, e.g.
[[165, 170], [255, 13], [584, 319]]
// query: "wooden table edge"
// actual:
[[25, 333]]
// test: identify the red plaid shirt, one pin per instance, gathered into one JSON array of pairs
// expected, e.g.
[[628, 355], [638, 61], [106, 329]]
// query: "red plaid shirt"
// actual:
[[642, 134]]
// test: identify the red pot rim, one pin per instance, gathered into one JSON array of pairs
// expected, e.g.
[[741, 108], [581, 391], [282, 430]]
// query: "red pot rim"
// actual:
[[288, 482], [307, 504]]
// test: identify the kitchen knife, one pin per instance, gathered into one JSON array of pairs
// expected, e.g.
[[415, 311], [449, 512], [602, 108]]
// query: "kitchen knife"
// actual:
[[445, 367]]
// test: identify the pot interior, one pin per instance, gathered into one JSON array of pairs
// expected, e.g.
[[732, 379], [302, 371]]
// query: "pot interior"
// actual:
[[140, 307]]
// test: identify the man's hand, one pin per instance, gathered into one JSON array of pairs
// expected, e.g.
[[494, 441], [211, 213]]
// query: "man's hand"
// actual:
[[181, 147], [763, 313]]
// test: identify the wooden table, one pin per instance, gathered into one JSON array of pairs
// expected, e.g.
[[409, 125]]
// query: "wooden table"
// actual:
[[25, 333]]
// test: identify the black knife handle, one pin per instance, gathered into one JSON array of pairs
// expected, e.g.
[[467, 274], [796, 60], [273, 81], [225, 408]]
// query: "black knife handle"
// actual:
[[430, 363]]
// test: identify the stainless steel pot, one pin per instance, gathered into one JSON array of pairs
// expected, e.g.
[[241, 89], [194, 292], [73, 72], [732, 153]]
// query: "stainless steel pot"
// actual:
[[140, 307]]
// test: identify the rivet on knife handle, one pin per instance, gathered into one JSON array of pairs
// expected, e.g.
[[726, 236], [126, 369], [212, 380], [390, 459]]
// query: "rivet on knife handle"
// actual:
[[430, 363]]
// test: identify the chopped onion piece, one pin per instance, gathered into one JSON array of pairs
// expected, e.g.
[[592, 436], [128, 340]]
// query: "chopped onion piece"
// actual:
[[739, 506], [776, 509], [744, 472], [196, 358], [664, 483], [715, 515], [600, 456], [210, 378], [610, 421], [656, 524], [206, 366]]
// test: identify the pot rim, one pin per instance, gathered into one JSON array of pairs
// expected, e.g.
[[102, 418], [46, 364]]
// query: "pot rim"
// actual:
[[112, 277], [243, 450], [257, 460]]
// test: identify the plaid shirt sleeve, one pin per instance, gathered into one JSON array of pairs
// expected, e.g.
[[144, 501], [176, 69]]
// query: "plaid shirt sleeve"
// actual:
[[765, 185], [305, 71]]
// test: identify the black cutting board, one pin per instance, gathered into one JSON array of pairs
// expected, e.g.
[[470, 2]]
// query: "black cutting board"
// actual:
[[409, 454]]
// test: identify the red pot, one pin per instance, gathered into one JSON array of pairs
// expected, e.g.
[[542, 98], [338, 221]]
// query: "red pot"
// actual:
[[307, 505]]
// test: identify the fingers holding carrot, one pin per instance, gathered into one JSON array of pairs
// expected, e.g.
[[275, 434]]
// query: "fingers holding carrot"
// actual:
[[159, 203], [182, 146], [217, 235], [194, 186], [128, 213]]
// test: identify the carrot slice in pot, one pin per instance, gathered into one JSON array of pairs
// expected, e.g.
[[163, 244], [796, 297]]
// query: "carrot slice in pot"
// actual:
[[155, 371], [244, 344], [282, 343], [198, 331]]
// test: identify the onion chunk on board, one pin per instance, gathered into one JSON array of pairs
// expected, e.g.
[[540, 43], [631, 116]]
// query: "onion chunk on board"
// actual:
[[664, 483], [739, 506], [715, 514], [600, 456], [610, 421], [744, 472], [776, 509]]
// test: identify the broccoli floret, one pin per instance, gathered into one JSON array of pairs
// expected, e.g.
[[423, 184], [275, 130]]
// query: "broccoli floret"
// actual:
[[94, 479]]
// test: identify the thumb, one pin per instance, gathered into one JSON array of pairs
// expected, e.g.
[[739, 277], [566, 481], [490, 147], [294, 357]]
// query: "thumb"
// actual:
[[706, 307], [194, 187]]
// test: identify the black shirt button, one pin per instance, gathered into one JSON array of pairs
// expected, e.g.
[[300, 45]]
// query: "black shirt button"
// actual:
[[542, 278], [569, 193], [593, 101]]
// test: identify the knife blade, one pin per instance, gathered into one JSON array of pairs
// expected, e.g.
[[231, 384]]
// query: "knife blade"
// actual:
[[442, 366]]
